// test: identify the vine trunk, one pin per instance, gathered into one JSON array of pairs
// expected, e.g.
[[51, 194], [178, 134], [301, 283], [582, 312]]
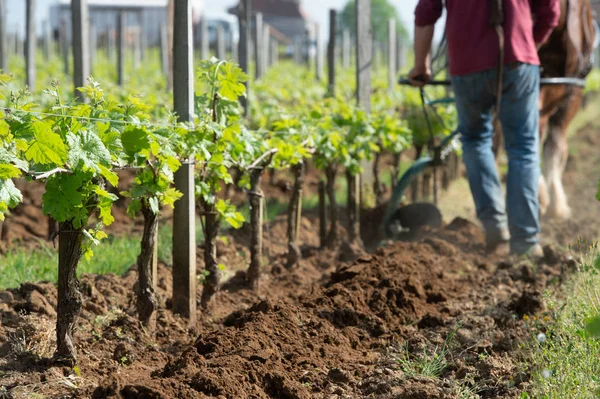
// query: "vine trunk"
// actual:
[[69, 297]]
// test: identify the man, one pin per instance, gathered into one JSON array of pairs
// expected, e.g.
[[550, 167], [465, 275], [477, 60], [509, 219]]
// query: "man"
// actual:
[[473, 53]]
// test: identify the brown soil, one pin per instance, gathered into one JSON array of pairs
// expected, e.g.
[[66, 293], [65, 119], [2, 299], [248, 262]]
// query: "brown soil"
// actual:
[[304, 334], [325, 329]]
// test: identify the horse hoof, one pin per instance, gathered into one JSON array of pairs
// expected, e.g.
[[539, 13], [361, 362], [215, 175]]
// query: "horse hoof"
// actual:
[[560, 212], [543, 196]]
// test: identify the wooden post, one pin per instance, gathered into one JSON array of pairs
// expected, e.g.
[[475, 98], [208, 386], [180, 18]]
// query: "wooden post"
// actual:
[[295, 216], [164, 49], [137, 48], [121, 24], [364, 42], [319, 55], [331, 51], [298, 44], [375, 56], [111, 44], [142, 36], [93, 45], [244, 16], [322, 214], [235, 57], [391, 54], [364, 54], [64, 47], [274, 51], [221, 53], [81, 55], [353, 206], [204, 44], [46, 41], [3, 38], [306, 46], [401, 55], [346, 49], [258, 44], [30, 45], [256, 199], [170, 34], [184, 215], [266, 37]]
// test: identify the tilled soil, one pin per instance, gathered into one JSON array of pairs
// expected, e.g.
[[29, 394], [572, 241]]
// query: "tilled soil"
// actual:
[[434, 318], [367, 329]]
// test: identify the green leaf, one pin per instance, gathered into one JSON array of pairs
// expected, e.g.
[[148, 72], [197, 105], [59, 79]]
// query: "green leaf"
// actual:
[[63, 197], [598, 195], [134, 207], [8, 171], [88, 253], [109, 175], [10, 158], [154, 205], [47, 147], [105, 194], [134, 140], [231, 83], [4, 129], [111, 140], [87, 151], [170, 196], [90, 237], [104, 209], [10, 196], [221, 206], [235, 219], [592, 326]]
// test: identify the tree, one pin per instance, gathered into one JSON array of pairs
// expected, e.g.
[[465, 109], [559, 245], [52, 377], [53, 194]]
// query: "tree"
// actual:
[[381, 12]]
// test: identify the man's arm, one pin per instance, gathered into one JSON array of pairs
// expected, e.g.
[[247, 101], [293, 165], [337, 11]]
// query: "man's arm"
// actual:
[[547, 15], [426, 14]]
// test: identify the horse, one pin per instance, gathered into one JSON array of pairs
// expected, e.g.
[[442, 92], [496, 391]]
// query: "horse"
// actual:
[[568, 52]]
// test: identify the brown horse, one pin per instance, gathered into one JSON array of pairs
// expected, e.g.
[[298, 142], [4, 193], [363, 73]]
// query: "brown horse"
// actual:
[[567, 53]]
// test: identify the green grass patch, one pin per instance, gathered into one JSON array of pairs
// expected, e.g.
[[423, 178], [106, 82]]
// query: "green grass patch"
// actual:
[[114, 255], [563, 356]]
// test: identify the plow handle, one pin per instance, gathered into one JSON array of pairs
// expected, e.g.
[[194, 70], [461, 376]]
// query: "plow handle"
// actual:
[[406, 82]]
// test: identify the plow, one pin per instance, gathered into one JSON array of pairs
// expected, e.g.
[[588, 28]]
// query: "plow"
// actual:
[[400, 222]]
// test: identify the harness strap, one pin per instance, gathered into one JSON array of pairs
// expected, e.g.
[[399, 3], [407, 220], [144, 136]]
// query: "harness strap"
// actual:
[[497, 21]]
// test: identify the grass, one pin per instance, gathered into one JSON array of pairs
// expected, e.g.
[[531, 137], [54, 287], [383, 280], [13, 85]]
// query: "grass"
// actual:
[[430, 363], [114, 255], [565, 362]]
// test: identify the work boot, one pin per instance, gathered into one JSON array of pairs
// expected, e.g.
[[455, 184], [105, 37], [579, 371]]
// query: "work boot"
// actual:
[[497, 241], [535, 252]]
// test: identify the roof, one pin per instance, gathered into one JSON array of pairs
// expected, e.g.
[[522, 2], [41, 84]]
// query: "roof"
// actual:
[[277, 35], [123, 3], [278, 8]]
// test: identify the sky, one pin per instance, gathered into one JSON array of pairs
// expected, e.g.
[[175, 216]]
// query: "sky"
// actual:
[[318, 11]]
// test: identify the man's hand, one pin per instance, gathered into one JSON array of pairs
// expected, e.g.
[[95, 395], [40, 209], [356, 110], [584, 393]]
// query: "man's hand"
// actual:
[[419, 75]]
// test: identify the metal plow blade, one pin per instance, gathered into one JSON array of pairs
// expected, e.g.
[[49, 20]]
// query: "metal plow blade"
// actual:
[[407, 220]]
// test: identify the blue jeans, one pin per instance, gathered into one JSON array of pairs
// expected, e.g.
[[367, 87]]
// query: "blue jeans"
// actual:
[[475, 96]]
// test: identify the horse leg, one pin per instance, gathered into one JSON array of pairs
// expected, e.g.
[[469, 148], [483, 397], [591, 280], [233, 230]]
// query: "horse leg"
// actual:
[[543, 194], [555, 159], [556, 152]]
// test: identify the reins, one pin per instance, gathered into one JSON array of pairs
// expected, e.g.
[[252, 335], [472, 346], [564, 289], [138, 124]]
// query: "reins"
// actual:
[[497, 21]]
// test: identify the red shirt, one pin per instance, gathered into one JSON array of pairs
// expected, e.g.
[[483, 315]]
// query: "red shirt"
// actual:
[[472, 41]]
